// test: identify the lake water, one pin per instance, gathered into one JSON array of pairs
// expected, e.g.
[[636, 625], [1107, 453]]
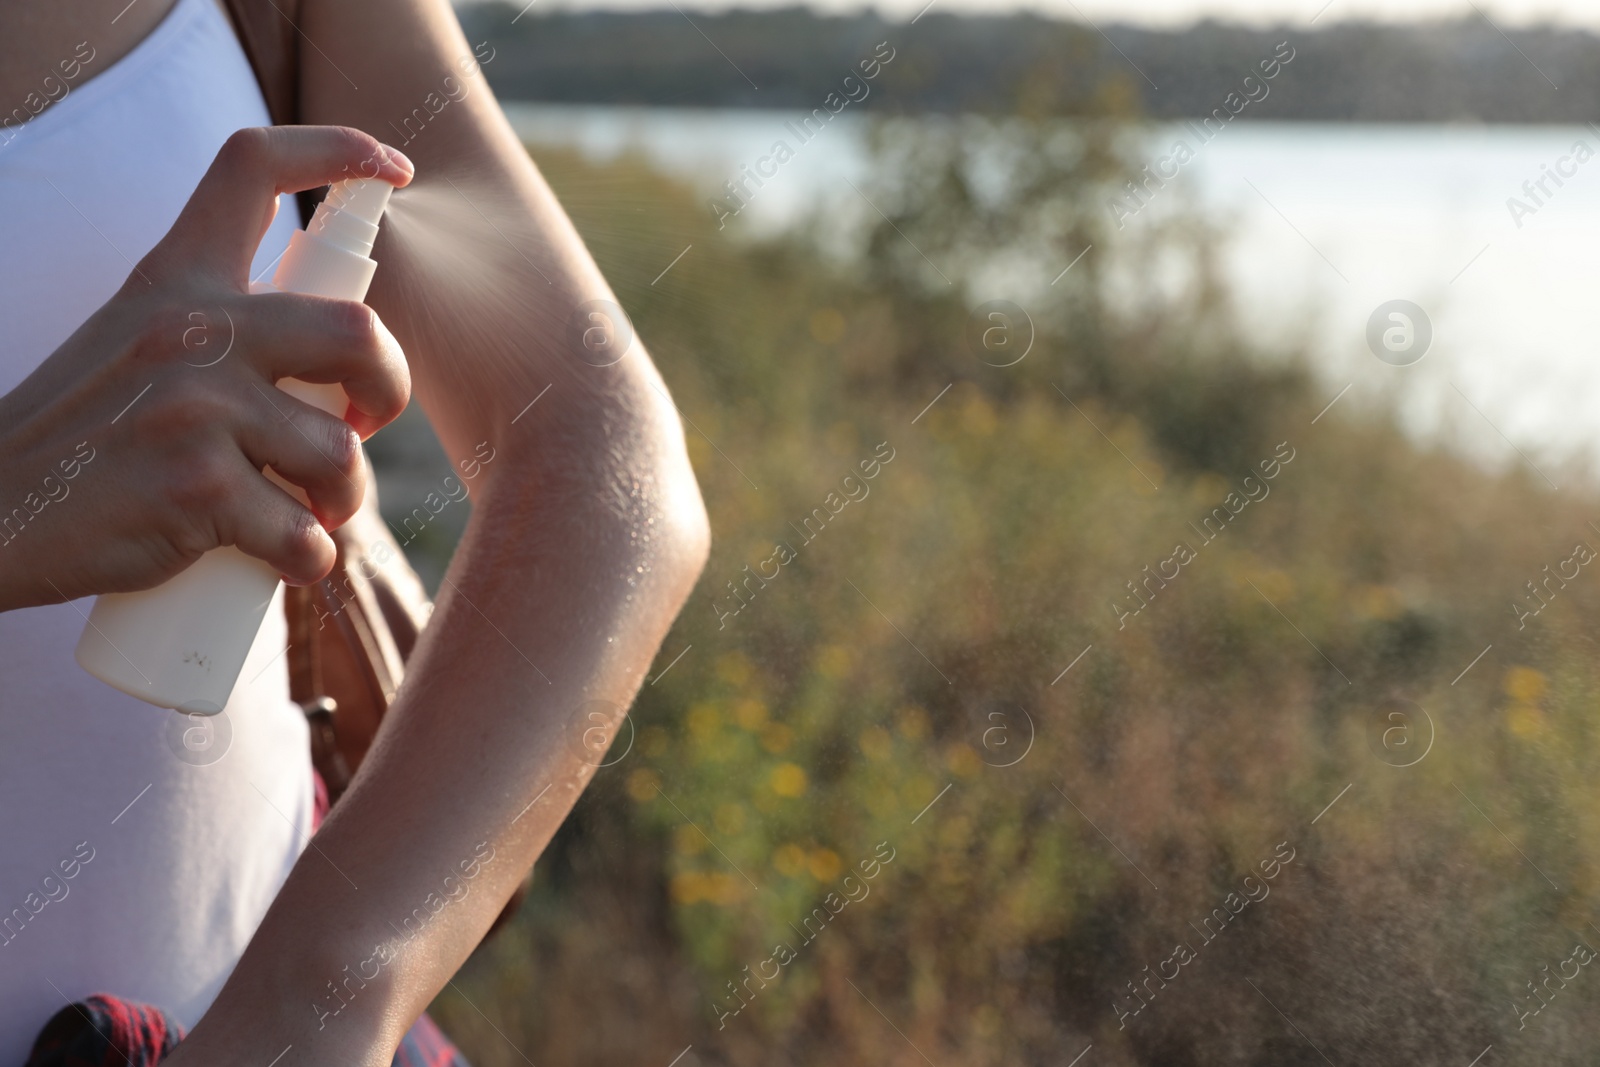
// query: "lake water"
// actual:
[[1324, 224]]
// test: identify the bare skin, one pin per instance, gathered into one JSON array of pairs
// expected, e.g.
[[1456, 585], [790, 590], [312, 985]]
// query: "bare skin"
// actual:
[[34, 38], [588, 535]]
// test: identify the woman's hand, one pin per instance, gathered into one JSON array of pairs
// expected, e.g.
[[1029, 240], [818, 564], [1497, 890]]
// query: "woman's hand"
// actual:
[[140, 443]]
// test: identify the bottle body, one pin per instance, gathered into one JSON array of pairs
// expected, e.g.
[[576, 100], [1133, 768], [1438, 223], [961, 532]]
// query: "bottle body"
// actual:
[[183, 644]]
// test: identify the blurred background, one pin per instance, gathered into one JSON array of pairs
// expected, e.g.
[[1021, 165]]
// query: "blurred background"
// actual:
[[1150, 448]]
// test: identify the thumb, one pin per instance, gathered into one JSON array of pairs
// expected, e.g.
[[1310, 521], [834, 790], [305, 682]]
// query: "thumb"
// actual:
[[230, 210]]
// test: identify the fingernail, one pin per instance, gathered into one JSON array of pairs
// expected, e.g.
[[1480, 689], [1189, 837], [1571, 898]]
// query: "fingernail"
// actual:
[[401, 160]]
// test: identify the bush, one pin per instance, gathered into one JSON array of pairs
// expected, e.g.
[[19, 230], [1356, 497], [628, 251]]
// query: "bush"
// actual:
[[898, 687]]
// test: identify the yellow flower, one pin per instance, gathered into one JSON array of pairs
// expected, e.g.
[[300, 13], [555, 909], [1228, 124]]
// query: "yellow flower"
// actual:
[[788, 780], [978, 416], [833, 661], [1525, 685], [881, 799], [703, 720], [776, 737], [642, 784], [689, 841], [962, 760], [912, 722], [1525, 720], [734, 668], [688, 887], [724, 889], [750, 714], [1378, 601], [713, 887], [876, 744], [789, 860], [1273, 583], [824, 864], [917, 791]]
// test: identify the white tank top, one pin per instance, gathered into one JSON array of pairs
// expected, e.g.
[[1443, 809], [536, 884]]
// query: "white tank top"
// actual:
[[137, 855]]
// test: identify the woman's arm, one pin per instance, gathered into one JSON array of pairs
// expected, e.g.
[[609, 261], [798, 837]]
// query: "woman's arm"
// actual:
[[588, 535]]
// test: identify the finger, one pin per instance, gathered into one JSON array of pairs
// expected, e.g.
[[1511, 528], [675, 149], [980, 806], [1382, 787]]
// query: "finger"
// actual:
[[318, 339], [229, 211], [310, 449], [263, 521]]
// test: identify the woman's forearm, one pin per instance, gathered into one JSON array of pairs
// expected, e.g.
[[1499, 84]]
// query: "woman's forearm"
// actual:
[[478, 762], [572, 568]]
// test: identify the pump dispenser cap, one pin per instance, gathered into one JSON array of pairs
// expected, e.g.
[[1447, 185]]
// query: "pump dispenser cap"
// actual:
[[348, 216], [333, 255]]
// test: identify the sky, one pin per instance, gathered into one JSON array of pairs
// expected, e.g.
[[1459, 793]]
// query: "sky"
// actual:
[[1179, 12]]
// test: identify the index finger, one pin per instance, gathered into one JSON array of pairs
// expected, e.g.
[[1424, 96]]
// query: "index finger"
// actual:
[[230, 210]]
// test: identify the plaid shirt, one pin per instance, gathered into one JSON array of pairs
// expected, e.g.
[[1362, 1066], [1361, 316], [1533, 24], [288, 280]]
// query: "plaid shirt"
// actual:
[[106, 1031]]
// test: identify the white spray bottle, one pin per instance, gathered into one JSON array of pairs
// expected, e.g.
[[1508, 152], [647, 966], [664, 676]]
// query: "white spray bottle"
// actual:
[[182, 645]]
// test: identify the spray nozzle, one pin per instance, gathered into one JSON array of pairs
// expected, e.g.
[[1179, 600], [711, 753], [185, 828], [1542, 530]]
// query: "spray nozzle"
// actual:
[[348, 216]]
